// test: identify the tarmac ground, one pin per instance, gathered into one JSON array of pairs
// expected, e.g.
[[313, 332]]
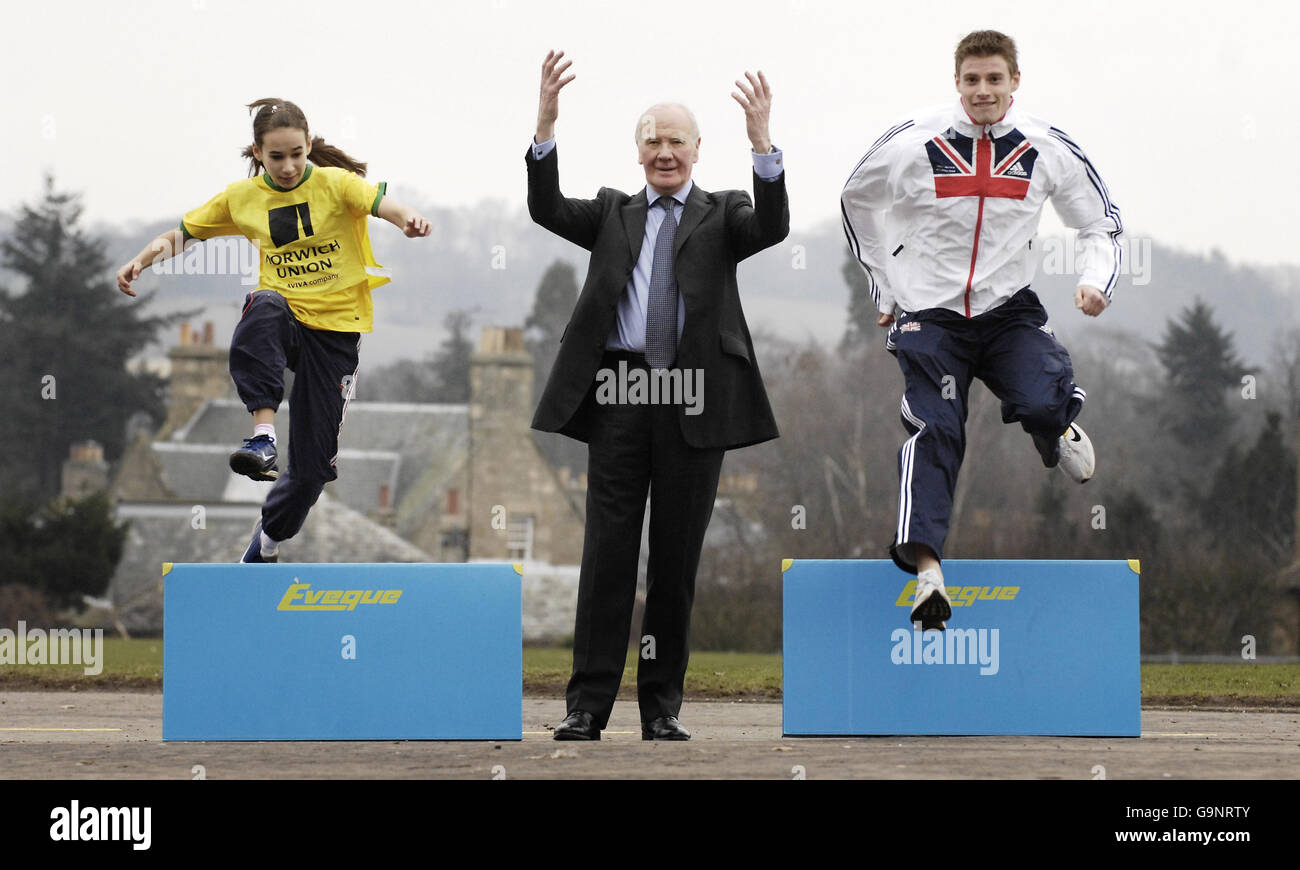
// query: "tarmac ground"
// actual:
[[118, 735]]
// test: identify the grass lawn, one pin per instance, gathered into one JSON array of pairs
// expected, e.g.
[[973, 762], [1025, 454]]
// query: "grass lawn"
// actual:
[[1221, 684], [137, 664], [709, 675], [125, 664]]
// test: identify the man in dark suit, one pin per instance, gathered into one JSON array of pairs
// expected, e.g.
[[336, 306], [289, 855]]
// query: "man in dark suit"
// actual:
[[660, 298]]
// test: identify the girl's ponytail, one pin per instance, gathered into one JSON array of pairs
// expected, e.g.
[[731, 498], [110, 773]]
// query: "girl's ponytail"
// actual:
[[324, 154], [271, 113]]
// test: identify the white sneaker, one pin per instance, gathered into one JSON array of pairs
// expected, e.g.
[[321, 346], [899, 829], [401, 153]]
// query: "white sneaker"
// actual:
[[931, 605], [1077, 457]]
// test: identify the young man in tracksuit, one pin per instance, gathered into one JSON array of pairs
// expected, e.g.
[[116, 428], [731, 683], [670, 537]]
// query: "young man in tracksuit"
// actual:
[[941, 212]]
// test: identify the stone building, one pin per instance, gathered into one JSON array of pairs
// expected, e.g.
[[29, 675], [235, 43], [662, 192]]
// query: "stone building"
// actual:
[[417, 483], [511, 485]]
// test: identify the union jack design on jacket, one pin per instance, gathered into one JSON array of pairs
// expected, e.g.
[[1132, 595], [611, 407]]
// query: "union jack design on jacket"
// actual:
[[942, 211]]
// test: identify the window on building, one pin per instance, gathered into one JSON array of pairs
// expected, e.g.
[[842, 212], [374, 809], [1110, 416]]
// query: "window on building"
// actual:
[[519, 537]]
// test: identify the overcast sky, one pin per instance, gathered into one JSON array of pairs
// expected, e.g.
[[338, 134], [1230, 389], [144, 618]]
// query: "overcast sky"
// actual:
[[139, 106]]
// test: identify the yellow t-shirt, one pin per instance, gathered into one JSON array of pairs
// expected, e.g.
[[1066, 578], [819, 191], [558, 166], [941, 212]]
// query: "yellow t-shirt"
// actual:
[[313, 240]]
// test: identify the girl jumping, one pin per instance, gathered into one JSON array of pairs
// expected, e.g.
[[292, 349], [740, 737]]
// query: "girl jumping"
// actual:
[[309, 223]]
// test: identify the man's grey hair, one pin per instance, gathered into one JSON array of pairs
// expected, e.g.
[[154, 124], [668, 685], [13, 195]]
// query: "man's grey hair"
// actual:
[[645, 124]]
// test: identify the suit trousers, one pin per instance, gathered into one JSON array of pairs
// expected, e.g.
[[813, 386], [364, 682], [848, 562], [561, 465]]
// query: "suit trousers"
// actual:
[[1011, 349], [634, 449], [267, 340]]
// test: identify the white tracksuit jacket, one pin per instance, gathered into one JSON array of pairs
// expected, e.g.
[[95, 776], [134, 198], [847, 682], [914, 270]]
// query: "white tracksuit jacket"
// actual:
[[942, 212]]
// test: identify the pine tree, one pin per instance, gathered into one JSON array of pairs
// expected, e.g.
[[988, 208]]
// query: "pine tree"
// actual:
[[67, 549], [451, 363], [1249, 510], [67, 338], [557, 293], [441, 377], [1200, 366]]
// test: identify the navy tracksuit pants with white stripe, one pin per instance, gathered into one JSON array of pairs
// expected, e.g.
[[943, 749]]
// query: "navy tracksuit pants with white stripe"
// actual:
[[1013, 352], [267, 340]]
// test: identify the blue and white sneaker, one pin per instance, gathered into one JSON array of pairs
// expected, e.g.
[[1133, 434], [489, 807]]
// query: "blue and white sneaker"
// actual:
[[256, 459], [254, 551]]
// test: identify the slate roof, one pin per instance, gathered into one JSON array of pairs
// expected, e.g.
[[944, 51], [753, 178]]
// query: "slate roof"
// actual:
[[415, 450], [406, 447]]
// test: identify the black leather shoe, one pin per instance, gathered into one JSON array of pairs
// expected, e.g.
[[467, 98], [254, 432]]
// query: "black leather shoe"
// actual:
[[578, 725], [664, 728]]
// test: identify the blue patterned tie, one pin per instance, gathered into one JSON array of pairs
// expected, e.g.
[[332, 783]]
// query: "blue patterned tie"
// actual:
[[661, 307]]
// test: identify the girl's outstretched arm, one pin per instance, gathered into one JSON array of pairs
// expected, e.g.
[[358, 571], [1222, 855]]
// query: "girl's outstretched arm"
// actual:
[[405, 218], [169, 244]]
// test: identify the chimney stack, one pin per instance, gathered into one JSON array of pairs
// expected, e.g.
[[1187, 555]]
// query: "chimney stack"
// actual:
[[199, 371], [84, 472]]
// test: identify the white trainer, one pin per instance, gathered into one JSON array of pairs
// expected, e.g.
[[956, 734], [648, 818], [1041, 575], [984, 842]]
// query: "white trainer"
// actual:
[[1077, 457], [931, 605]]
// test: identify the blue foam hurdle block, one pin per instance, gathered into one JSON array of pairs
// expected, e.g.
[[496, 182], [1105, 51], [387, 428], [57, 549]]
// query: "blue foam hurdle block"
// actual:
[[1033, 647], [342, 652]]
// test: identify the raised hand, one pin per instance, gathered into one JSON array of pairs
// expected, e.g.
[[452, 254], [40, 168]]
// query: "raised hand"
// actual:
[[548, 104], [757, 103]]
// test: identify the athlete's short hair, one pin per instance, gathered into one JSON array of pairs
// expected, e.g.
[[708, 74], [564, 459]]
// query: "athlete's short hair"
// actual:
[[986, 43]]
